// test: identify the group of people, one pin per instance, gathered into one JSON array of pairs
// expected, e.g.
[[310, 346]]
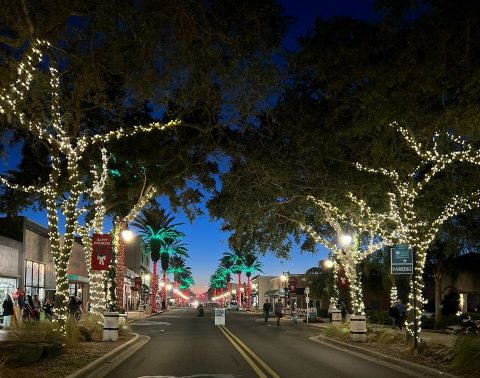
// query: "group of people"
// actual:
[[267, 307], [31, 309]]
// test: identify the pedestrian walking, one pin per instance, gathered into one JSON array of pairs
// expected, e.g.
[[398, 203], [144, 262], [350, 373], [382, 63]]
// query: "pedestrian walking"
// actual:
[[331, 308], [279, 310], [36, 307], [48, 309], [7, 309], [393, 314], [343, 310], [73, 308], [401, 313], [27, 309], [266, 310]]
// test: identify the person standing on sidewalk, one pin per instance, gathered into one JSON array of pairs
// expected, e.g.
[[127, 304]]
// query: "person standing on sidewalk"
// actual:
[[279, 310], [266, 310], [7, 308], [401, 313]]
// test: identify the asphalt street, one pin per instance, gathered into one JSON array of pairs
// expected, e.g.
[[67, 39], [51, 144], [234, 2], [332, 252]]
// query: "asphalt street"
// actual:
[[184, 345]]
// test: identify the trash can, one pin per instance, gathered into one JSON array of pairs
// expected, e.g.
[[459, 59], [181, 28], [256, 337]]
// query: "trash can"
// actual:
[[358, 328], [110, 326]]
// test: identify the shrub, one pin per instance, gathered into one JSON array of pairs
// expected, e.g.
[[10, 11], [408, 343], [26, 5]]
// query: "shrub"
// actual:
[[387, 336], [378, 317], [466, 353], [339, 333], [37, 331], [91, 327]]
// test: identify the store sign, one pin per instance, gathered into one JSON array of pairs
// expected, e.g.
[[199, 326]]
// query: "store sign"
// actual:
[[101, 251], [402, 260], [292, 284]]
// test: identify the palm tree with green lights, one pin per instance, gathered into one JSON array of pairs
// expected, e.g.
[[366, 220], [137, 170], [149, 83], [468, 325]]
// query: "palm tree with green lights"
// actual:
[[171, 247], [156, 227], [186, 282], [215, 284], [252, 264], [225, 268], [177, 267], [238, 259]]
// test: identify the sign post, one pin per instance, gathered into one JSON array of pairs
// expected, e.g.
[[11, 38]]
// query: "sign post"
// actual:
[[220, 316], [307, 298], [403, 262]]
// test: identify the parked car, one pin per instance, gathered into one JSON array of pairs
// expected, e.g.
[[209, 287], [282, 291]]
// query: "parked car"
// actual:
[[233, 307]]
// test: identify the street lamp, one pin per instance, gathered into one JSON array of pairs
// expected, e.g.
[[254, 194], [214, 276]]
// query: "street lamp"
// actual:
[[345, 240], [327, 264], [127, 235], [284, 278]]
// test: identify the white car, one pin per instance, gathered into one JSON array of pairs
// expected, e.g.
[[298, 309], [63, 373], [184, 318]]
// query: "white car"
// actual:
[[233, 307]]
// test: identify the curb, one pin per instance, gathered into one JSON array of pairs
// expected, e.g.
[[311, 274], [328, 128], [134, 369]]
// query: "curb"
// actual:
[[103, 365], [427, 371]]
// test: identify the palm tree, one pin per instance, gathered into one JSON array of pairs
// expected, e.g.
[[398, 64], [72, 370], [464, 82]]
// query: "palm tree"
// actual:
[[176, 267], [238, 260], [171, 247], [226, 265], [252, 264], [186, 282], [215, 283], [221, 277], [155, 226]]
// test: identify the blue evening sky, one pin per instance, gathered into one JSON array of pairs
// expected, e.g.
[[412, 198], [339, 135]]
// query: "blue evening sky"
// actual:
[[205, 241]]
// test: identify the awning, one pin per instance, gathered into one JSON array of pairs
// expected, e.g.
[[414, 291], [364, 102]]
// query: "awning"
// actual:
[[273, 293], [77, 278]]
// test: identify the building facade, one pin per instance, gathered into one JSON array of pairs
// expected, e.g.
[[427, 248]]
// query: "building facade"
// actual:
[[26, 261]]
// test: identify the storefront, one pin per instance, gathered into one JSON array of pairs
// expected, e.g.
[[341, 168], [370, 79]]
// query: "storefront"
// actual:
[[10, 263]]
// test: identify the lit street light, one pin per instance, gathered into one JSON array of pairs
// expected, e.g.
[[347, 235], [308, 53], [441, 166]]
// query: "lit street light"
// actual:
[[345, 240]]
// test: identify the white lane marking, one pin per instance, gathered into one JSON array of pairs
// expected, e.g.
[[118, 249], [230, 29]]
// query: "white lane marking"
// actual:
[[150, 323]]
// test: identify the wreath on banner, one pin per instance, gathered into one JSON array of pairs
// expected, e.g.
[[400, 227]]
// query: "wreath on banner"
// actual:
[[101, 253], [342, 278]]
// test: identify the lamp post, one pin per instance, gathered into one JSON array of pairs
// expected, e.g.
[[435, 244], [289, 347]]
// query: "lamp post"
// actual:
[[307, 299], [255, 294], [284, 278], [124, 236]]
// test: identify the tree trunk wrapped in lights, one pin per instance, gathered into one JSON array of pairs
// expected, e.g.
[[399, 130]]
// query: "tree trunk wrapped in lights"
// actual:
[[62, 147], [415, 226]]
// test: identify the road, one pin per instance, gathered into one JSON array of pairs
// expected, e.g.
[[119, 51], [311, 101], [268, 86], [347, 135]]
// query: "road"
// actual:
[[184, 345]]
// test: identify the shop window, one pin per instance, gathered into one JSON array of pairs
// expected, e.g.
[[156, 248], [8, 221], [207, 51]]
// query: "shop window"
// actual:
[[35, 279]]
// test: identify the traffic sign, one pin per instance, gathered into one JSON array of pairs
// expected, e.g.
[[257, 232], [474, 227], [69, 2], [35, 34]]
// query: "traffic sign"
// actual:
[[402, 260]]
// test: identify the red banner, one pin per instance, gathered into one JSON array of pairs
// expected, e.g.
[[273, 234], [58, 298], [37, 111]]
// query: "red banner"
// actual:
[[292, 284], [138, 283], [342, 278], [101, 251]]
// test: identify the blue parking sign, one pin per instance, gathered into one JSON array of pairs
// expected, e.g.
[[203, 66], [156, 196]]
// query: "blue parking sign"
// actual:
[[402, 259]]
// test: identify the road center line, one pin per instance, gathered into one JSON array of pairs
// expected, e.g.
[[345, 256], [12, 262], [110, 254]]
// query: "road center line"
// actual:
[[252, 364], [252, 353]]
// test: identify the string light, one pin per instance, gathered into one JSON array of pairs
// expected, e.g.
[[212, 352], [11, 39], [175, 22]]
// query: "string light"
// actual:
[[410, 228], [63, 147], [364, 222]]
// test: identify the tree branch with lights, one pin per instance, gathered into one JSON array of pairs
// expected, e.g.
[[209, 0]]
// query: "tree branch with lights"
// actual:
[[411, 228], [52, 130], [367, 237]]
